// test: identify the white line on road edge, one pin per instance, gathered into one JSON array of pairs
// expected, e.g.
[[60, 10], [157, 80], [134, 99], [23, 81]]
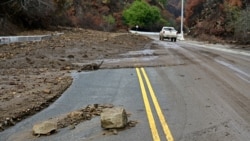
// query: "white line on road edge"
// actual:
[[221, 49], [243, 75]]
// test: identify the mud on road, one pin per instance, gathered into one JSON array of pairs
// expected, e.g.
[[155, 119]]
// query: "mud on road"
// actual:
[[34, 74]]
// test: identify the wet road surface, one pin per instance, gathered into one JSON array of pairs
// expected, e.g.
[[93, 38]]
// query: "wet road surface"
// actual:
[[198, 94]]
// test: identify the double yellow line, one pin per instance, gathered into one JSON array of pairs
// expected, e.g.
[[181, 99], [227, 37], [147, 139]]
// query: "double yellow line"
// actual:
[[154, 131]]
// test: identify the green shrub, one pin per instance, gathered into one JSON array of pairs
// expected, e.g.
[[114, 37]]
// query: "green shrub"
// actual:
[[109, 23]]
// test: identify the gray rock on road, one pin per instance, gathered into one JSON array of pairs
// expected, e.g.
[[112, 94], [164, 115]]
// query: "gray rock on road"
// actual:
[[44, 128], [114, 118]]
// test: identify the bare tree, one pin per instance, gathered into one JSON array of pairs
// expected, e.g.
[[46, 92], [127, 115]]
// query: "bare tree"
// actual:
[[12, 7], [29, 12]]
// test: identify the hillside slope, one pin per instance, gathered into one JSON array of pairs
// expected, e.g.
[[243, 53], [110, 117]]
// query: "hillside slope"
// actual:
[[46, 14], [218, 19], [207, 19]]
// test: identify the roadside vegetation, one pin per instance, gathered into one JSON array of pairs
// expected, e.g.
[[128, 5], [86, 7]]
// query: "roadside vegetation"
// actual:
[[109, 23], [141, 14], [239, 22]]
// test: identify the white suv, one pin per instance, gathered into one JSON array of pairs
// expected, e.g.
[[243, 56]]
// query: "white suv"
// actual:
[[168, 33]]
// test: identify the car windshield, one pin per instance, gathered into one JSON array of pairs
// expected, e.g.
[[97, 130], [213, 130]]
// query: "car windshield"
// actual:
[[168, 28]]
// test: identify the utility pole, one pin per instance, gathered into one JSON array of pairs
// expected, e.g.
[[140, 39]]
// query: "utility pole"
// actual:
[[182, 15]]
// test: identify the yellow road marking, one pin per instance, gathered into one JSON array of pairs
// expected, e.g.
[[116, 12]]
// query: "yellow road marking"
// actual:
[[148, 109], [158, 108]]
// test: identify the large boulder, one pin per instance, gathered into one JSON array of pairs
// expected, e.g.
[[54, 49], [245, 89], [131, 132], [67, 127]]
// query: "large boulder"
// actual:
[[44, 128], [114, 118]]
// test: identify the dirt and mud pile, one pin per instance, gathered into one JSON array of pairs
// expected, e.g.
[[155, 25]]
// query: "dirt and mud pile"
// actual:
[[34, 74], [72, 119]]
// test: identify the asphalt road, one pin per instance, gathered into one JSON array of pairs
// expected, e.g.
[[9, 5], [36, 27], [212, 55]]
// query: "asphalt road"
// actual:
[[196, 92]]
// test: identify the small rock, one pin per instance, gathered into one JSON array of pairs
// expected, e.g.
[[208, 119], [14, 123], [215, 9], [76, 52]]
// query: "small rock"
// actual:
[[227, 134], [12, 122], [85, 56], [47, 91], [71, 127], [71, 56], [5, 122], [115, 132], [95, 105], [88, 116], [61, 59], [9, 121], [132, 123], [75, 114], [91, 108], [96, 113], [66, 68], [1, 127], [12, 83], [28, 59]]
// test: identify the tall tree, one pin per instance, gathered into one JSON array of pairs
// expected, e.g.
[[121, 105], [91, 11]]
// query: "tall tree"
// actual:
[[142, 14]]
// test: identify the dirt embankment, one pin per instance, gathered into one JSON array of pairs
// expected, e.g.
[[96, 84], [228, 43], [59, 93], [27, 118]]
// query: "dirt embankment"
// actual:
[[218, 21], [34, 74]]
